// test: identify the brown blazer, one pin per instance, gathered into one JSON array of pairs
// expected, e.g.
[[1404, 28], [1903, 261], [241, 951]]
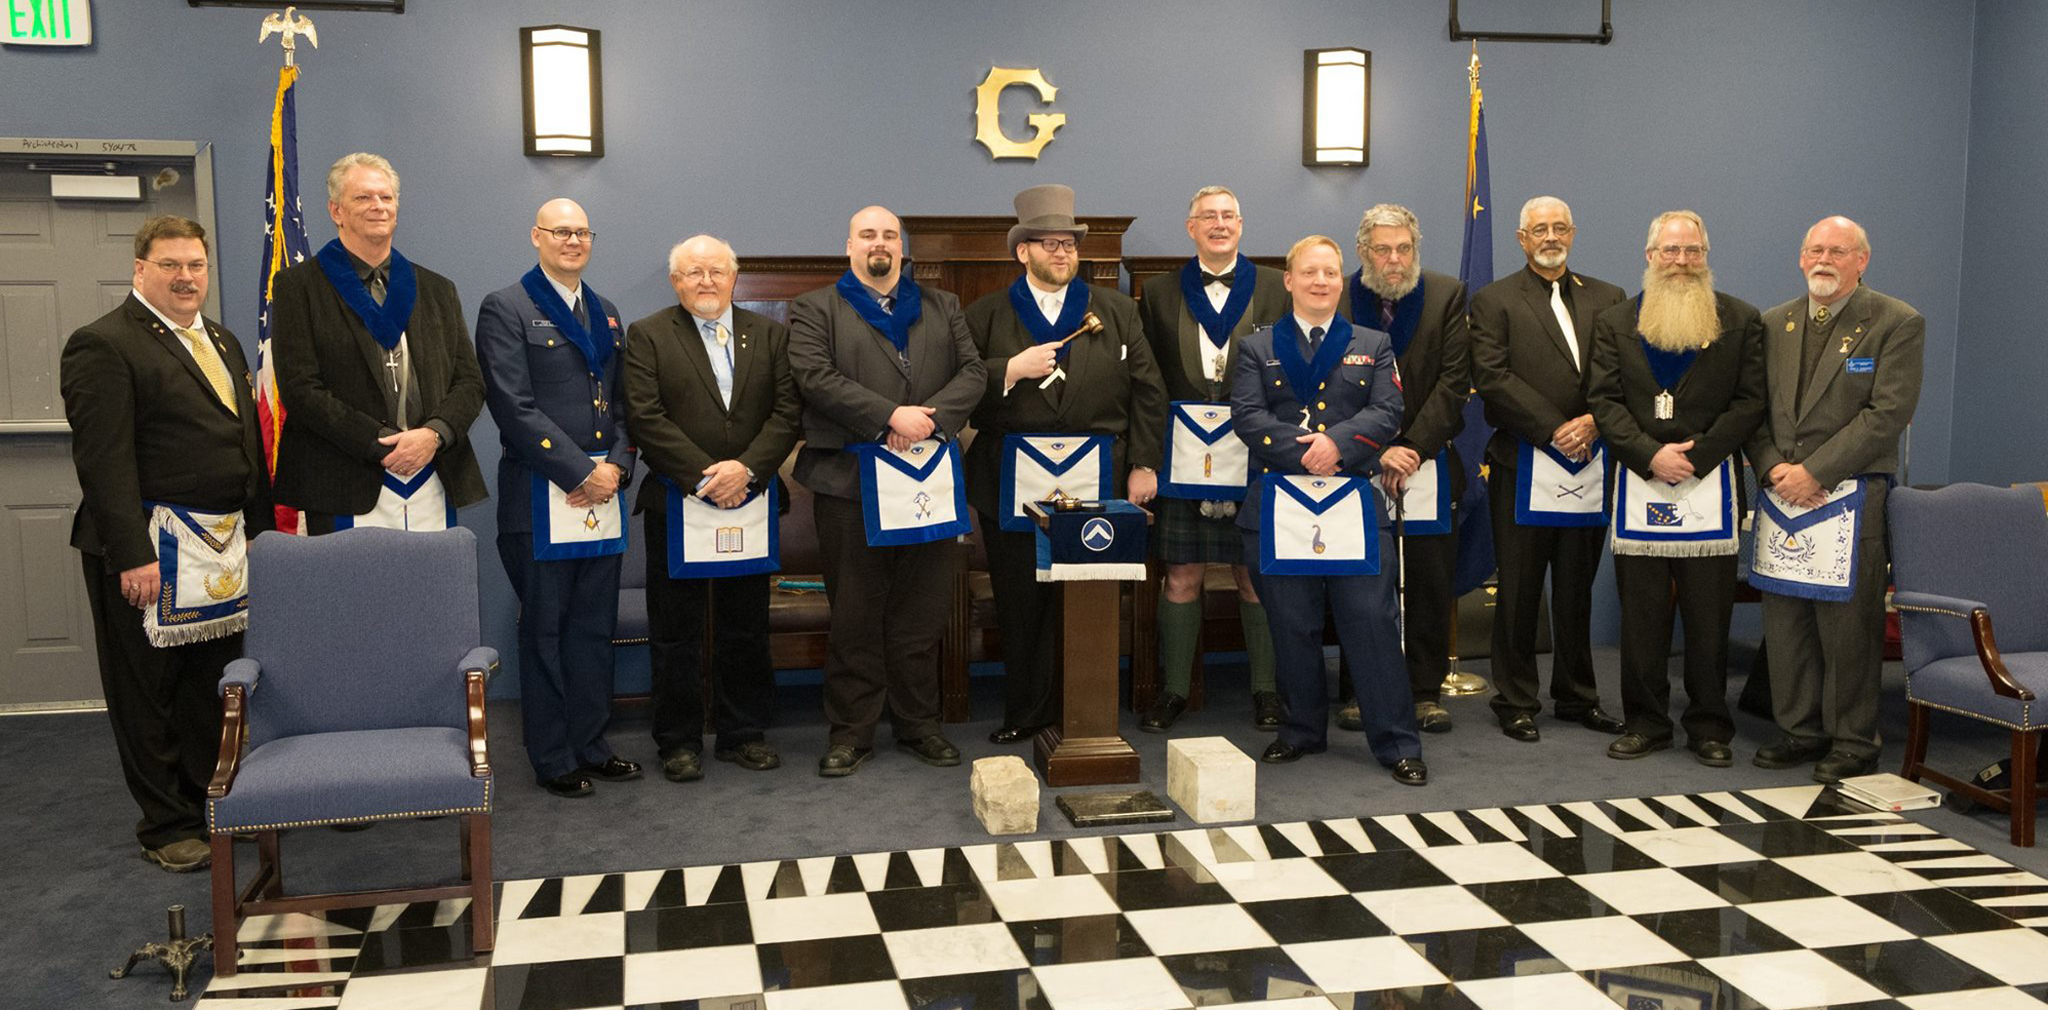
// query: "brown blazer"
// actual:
[[1849, 422]]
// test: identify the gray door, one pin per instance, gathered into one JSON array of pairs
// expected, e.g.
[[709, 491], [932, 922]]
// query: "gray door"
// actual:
[[63, 263]]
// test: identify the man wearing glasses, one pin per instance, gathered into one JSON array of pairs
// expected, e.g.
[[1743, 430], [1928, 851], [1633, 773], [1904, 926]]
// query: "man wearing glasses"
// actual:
[[552, 353], [1531, 336], [163, 431], [376, 372], [1100, 384], [1677, 386], [1423, 314]]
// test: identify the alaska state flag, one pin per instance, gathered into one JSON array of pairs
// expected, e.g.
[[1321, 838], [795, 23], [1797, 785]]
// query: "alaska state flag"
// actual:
[[1475, 268]]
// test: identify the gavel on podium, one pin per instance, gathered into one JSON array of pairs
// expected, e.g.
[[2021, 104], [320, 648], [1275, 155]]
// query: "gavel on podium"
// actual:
[[1090, 323]]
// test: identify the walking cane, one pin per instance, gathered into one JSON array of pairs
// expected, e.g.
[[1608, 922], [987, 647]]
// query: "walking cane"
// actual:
[[1401, 570]]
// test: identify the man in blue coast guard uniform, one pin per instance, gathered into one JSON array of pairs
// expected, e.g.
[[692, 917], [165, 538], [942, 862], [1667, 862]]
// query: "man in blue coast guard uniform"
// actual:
[[552, 351], [1313, 394]]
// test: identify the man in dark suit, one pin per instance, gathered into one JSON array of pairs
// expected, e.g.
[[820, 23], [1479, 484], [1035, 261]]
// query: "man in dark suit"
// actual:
[[1313, 394], [1424, 313], [551, 352], [375, 371], [914, 377], [161, 414], [1193, 319], [1531, 334], [1677, 386], [1843, 368], [714, 412], [1099, 384]]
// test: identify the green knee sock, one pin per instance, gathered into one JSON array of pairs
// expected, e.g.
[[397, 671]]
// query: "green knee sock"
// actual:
[[1258, 643], [1179, 625]]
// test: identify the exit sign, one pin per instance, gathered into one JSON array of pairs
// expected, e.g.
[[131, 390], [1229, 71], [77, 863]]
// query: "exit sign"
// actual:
[[47, 22]]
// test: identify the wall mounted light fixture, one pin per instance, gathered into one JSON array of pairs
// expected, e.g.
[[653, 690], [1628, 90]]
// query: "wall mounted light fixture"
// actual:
[[560, 80], [1336, 106]]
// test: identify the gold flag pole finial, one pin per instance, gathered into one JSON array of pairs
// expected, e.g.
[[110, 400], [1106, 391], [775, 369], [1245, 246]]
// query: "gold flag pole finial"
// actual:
[[1472, 69], [291, 24]]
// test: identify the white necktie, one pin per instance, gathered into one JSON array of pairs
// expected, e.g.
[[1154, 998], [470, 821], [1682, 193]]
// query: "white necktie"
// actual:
[[1564, 322], [1050, 306]]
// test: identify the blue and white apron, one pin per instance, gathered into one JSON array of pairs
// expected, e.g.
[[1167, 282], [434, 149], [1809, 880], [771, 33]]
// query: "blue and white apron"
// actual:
[[1425, 499], [1035, 467], [708, 542], [1551, 489], [203, 567], [1808, 553], [1205, 460], [1318, 526], [1694, 518], [418, 504], [912, 497], [562, 531]]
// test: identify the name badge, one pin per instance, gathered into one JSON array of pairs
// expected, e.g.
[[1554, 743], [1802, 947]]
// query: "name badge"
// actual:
[[549, 323], [1862, 366]]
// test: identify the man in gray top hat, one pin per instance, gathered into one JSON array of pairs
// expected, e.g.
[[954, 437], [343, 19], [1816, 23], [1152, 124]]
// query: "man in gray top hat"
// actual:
[[1102, 383]]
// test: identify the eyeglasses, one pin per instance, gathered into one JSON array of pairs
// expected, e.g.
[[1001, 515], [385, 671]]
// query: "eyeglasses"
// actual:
[[1215, 216], [1053, 245], [1832, 252], [1690, 252], [565, 234], [714, 274], [1545, 231], [1405, 250], [196, 268]]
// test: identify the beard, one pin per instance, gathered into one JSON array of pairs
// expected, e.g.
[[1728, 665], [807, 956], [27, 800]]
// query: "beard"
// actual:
[[1821, 285], [1678, 311], [1050, 274], [879, 265], [1549, 259], [1391, 292]]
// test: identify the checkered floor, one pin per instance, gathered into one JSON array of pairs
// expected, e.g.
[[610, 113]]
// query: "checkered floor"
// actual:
[[1773, 898]]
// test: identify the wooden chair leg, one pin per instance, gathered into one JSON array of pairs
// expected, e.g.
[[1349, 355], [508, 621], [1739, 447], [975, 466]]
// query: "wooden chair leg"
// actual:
[[1916, 742], [226, 924], [477, 860], [2025, 747], [269, 857]]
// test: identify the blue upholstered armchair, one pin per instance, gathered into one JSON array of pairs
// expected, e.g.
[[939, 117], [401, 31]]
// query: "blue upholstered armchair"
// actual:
[[1960, 556], [360, 698]]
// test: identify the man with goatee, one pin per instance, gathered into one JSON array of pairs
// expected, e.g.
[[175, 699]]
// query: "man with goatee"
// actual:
[[1056, 396], [1677, 386], [1843, 363]]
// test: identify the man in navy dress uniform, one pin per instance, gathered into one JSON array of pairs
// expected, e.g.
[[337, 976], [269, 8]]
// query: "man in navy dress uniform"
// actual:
[[552, 351], [1314, 394]]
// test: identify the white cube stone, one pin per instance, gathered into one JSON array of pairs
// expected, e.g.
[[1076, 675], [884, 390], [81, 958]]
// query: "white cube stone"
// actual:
[[1005, 795], [1211, 780]]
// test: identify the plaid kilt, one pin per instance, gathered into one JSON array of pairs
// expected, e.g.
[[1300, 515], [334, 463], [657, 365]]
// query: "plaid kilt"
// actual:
[[1180, 535]]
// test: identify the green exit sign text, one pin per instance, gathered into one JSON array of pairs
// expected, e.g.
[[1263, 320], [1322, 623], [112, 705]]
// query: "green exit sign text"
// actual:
[[47, 22]]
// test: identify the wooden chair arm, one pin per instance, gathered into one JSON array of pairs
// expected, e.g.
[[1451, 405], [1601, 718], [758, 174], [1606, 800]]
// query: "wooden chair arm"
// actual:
[[233, 731], [479, 752], [2002, 682]]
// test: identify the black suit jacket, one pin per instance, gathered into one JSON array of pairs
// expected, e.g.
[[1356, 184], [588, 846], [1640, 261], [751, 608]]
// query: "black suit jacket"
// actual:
[[673, 410], [1112, 388], [1718, 403], [146, 425], [1435, 371], [330, 376], [1521, 366], [1178, 345], [852, 379]]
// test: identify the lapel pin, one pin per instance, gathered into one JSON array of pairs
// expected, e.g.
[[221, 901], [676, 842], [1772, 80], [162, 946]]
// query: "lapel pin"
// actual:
[[1790, 326]]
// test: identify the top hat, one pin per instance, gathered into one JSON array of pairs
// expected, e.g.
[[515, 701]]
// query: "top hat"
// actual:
[[1043, 210]]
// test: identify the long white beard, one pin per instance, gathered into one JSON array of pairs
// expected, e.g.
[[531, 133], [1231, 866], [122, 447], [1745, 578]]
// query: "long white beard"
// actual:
[[1679, 313]]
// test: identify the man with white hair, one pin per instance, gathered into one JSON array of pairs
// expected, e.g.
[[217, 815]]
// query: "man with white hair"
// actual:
[[376, 373], [1531, 335], [714, 411], [1676, 386], [1843, 366]]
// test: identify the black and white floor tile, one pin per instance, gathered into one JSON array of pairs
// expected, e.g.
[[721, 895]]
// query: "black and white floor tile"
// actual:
[[1769, 899]]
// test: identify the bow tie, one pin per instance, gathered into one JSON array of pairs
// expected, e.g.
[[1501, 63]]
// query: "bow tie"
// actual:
[[1223, 278]]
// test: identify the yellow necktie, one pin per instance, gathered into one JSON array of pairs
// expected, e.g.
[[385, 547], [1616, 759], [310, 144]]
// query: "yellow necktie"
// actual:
[[211, 366]]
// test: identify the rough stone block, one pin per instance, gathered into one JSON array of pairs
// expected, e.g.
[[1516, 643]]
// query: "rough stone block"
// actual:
[[1005, 795], [1211, 780]]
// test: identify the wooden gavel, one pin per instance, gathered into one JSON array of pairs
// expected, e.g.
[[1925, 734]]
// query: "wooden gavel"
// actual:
[[1090, 323]]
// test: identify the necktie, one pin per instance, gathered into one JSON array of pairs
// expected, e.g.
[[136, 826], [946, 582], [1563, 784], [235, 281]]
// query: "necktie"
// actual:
[[210, 365], [717, 331], [582, 317], [376, 285], [1050, 308], [1386, 315], [888, 304], [1315, 340], [1224, 278], [1564, 321]]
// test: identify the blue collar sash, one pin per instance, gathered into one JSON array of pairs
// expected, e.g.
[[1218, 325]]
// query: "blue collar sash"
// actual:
[[1042, 331], [386, 322], [1365, 310], [1302, 376], [894, 324], [1219, 325], [596, 353]]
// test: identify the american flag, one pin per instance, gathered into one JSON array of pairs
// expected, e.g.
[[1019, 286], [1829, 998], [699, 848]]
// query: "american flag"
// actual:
[[284, 244]]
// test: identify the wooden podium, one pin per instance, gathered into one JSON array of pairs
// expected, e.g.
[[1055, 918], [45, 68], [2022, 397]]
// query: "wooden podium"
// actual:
[[1084, 747]]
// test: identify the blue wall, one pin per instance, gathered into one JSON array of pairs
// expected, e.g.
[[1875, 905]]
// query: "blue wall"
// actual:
[[769, 123]]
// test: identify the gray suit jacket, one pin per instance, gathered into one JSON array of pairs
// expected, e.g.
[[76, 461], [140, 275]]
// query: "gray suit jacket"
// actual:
[[852, 379], [1850, 420]]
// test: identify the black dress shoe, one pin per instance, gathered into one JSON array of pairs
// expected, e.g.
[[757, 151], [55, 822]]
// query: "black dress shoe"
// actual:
[[1165, 711], [843, 760], [1014, 734], [1839, 765], [1521, 727], [1790, 752], [1411, 772], [1712, 753], [1348, 718], [570, 785], [614, 769], [1635, 745], [1280, 753], [753, 755], [1265, 711], [934, 750], [1596, 720], [1431, 717]]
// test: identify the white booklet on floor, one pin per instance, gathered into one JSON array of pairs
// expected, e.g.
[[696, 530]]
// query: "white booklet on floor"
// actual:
[[1886, 791]]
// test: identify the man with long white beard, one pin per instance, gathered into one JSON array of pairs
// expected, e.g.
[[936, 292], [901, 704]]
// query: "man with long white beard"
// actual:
[[1676, 386], [1843, 366]]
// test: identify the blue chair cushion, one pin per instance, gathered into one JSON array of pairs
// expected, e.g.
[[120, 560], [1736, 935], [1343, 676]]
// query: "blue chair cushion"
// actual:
[[1959, 684], [357, 775]]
